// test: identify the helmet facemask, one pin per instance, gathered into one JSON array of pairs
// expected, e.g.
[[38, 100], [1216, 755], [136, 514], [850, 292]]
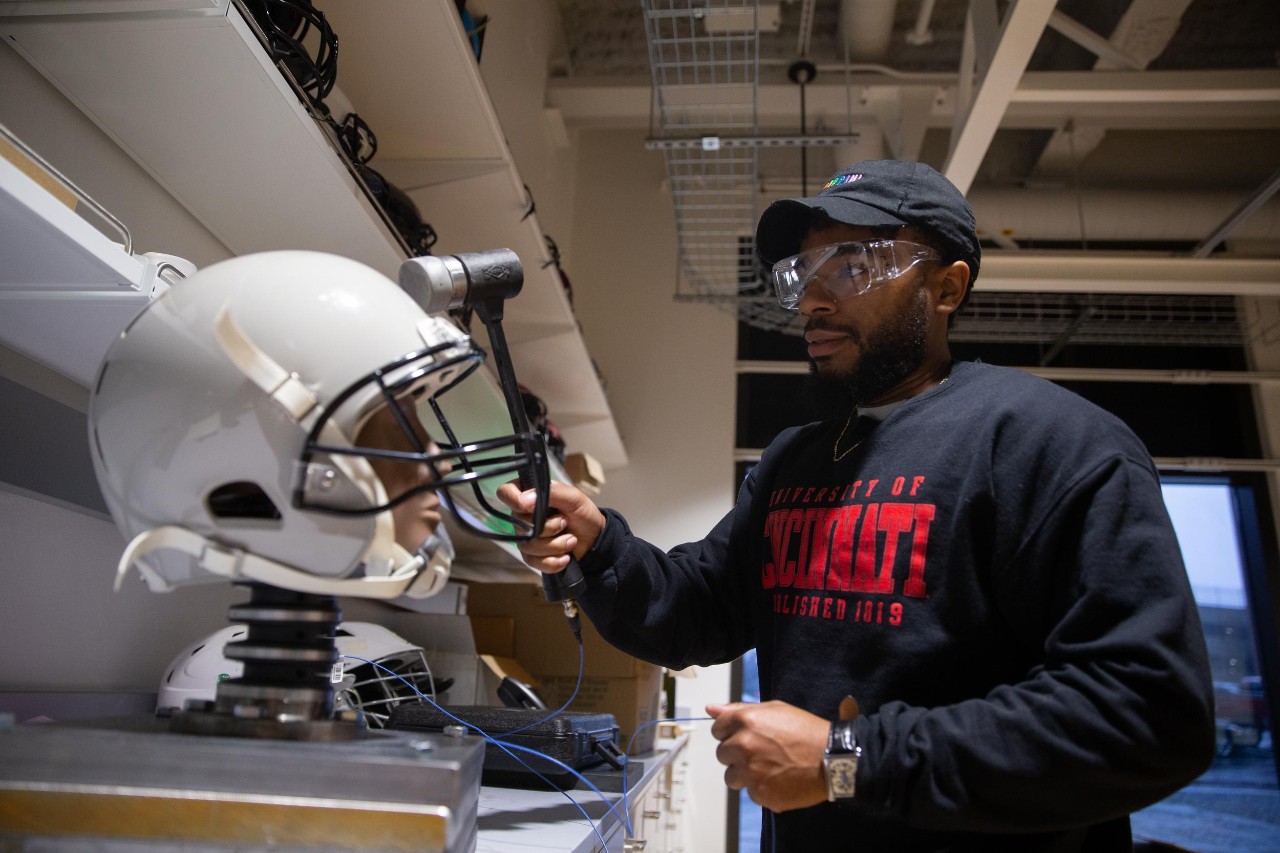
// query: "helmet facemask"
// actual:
[[397, 424], [376, 685]]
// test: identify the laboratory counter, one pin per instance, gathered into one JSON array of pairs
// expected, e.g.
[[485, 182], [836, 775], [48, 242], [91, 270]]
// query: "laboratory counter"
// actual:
[[514, 820]]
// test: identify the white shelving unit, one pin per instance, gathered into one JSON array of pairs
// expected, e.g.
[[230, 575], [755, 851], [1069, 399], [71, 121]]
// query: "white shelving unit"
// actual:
[[409, 70], [185, 88], [194, 99], [66, 290]]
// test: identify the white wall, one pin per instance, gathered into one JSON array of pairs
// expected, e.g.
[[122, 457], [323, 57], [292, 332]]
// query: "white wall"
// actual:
[[519, 39], [670, 373], [63, 627], [668, 367]]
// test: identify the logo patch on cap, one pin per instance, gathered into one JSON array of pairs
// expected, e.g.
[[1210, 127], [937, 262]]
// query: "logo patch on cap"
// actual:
[[840, 180]]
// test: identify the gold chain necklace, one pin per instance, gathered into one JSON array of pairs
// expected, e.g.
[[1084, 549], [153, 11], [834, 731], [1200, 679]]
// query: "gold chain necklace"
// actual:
[[836, 455]]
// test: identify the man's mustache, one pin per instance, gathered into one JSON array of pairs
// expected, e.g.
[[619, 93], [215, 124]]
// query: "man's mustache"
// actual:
[[824, 324]]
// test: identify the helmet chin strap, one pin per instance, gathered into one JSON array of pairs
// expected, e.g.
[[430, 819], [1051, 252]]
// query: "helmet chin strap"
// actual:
[[238, 564], [438, 553]]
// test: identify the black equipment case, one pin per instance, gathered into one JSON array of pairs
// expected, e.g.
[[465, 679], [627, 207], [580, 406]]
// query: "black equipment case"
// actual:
[[579, 740]]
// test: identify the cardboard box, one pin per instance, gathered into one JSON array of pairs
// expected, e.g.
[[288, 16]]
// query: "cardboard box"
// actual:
[[494, 635], [450, 651], [585, 472], [516, 621]]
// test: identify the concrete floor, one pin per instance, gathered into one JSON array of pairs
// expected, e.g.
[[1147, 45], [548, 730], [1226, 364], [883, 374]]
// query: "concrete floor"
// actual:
[[1233, 808]]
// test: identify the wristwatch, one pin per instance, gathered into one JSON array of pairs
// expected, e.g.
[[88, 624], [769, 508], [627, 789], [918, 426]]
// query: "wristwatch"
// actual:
[[840, 762]]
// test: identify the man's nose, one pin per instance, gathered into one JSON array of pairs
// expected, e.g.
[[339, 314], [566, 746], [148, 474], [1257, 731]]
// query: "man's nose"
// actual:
[[816, 300]]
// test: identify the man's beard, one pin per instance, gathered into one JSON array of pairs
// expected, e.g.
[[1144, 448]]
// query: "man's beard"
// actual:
[[889, 353]]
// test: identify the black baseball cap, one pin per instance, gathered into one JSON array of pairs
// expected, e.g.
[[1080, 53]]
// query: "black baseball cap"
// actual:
[[871, 194]]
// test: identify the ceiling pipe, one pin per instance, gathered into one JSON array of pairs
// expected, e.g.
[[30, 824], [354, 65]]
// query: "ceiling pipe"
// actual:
[[806, 28], [867, 28], [801, 72], [1053, 214], [920, 35]]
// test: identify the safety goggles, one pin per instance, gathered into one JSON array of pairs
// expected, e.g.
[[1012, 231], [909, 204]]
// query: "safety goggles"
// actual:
[[846, 269]]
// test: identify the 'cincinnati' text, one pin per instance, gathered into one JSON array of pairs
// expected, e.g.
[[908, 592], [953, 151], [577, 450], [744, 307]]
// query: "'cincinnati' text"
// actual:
[[847, 548]]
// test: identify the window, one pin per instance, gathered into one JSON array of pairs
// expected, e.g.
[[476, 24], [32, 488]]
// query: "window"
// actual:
[[1235, 805]]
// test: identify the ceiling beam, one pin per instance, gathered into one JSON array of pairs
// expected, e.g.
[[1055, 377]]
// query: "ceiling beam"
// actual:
[[1092, 42], [1149, 87], [979, 118], [1043, 99], [1098, 272], [1022, 271], [1238, 216], [1143, 32]]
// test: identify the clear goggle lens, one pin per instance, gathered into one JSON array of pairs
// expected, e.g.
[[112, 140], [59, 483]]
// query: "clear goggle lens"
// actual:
[[844, 270]]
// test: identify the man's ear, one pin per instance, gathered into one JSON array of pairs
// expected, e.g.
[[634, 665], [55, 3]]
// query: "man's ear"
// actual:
[[952, 286]]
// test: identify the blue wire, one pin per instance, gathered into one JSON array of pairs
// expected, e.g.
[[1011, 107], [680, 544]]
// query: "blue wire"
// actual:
[[574, 695], [612, 807], [624, 816], [632, 740]]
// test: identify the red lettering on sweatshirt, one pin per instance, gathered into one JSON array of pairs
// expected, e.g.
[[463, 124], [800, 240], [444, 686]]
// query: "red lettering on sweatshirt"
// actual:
[[840, 549], [877, 611], [850, 548], [813, 606], [914, 586]]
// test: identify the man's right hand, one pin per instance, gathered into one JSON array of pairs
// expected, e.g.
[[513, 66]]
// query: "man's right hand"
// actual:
[[573, 528]]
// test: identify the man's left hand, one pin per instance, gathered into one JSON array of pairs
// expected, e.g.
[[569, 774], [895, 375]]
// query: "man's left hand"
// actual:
[[774, 751]]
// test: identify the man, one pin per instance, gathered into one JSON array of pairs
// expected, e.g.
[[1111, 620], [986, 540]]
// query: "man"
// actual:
[[973, 625]]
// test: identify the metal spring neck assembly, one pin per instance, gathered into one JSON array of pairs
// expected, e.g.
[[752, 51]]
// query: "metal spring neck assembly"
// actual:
[[285, 691]]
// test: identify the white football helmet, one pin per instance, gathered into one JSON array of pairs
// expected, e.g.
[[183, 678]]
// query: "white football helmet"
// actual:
[[380, 671], [236, 425]]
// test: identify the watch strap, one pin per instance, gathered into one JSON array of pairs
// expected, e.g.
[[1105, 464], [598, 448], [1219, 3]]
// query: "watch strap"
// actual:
[[840, 763], [841, 740]]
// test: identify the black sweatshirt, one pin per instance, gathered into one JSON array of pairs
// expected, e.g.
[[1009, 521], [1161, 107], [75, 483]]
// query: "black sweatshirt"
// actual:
[[992, 574]]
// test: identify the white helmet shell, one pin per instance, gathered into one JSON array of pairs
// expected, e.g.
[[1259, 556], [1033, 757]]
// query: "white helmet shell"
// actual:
[[194, 672], [220, 388]]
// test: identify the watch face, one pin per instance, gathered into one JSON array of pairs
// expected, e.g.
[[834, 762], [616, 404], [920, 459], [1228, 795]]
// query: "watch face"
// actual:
[[842, 774]]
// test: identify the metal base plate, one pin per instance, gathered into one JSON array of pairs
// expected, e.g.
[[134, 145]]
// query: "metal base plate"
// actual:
[[132, 784]]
